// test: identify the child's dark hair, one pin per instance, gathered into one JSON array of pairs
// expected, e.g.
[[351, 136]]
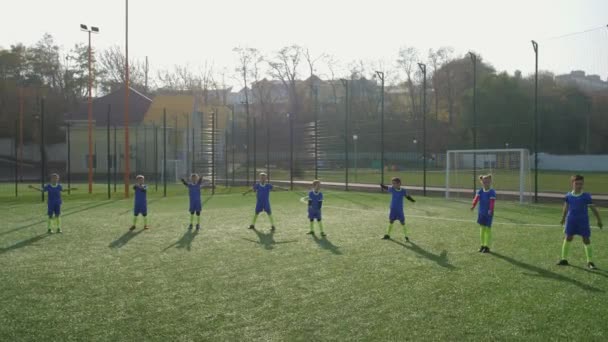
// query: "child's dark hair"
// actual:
[[577, 178], [396, 179]]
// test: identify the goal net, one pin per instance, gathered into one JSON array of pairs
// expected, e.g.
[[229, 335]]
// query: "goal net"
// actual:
[[510, 170]]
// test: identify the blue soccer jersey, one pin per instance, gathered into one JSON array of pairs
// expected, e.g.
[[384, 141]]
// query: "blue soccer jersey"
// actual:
[[263, 197], [141, 203], [54, 192], [484, 200], [396, 211], [53, 199], [577, 220], [194, 192], [314, 209]]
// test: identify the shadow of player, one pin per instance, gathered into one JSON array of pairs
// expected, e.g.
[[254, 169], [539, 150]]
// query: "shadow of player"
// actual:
[[440, 259], [185, 241], [266, 240], [543, 273], [324, 243], [124, 239], [23, 243]]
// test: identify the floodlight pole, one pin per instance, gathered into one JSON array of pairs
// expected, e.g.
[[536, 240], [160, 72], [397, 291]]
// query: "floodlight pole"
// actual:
[[90, 30], [345, 84], [290, 118], [536, 124], [381, 76], [422, 67], [474, 61], [108, 159], [316, 128], [127, 170]]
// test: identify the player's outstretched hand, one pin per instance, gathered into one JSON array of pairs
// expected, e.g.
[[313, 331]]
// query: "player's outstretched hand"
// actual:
[[472, 208], [600, 224]]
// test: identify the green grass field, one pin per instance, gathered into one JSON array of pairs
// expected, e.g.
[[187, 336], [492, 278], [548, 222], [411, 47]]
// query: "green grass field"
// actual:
[[98, 282]]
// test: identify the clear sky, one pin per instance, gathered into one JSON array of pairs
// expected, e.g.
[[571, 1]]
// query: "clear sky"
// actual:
[[192, 32]]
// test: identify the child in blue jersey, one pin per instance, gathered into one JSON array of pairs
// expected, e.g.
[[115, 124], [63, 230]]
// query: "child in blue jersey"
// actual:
[[262, 190], [141, 202], [396, 210], [54, 202], [576, 219], [194, 192], [486, 197], [315, 202]]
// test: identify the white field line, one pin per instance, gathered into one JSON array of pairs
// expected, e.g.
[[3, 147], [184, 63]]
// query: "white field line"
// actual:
[[303, 200]]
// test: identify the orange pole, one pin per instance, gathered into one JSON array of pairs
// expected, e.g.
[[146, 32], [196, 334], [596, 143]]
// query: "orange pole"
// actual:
[[90, 161], [127, 170]]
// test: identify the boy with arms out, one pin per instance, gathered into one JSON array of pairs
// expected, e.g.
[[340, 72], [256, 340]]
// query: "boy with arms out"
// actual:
[[141, 202], [262, 190], [486, 197], [194, 192], [575, 216], [396, 210], [315, 202], [54, 202]]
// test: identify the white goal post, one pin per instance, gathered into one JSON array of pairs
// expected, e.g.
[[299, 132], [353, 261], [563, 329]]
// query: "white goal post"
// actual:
[[510, 168]]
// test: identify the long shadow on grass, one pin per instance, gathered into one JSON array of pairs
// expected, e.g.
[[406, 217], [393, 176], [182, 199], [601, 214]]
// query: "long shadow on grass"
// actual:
[[543, 273], [441, 259], [266, 240], [23, 243], [185, 241], [599, 272], [327, 245], [124, 239], [62, 215]]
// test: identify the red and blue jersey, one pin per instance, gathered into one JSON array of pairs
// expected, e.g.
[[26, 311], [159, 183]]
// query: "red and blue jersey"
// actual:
[[485, 198], [54, 192]]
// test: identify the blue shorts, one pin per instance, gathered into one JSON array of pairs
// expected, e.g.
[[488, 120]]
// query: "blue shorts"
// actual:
[[259, 207], [578, 228], [54, 209], [314, 215], [396, 215], [485, 220], [140, 209], [195, 206]]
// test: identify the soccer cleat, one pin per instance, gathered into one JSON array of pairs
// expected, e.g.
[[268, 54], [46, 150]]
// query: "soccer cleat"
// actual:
[[59, 231], [386, 237], [198, 227], [486, 250], [481, 249], [563, 262], [190, 227], [251, 226], [591, 266], [132, 227], [311, 233], [146, 227], [49, 231], [323, 234], [407, 239], [273, 228]]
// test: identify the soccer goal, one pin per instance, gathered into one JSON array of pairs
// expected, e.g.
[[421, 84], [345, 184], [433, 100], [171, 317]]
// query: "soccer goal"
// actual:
[[510, 169]]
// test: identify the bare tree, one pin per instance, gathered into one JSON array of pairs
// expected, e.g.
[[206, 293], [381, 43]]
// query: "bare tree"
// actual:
[[407, 60], [445, 56], [284, 67], [112, 70]]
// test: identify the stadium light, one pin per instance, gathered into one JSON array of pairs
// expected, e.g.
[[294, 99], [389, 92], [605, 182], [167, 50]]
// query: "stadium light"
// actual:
[[381, 77], [474, 61], [93, 29], [422, 67]]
